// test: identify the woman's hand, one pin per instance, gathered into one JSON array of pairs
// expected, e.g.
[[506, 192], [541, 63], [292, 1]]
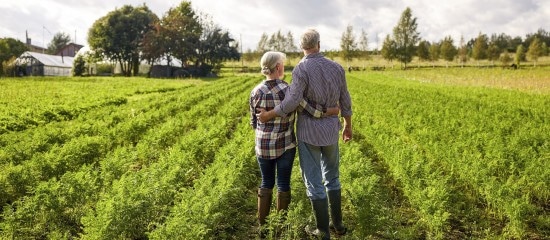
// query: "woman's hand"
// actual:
[[263, 115]]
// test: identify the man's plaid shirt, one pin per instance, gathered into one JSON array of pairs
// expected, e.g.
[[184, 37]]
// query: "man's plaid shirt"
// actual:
[[273, 138]]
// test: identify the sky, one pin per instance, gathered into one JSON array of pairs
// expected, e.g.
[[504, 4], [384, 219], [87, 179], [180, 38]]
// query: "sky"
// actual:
[[246, 20]]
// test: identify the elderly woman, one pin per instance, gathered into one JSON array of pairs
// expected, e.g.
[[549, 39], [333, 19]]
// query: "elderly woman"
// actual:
[[275, 140]]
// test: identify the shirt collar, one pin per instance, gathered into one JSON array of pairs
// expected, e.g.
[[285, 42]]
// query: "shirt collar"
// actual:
[[314, 55]]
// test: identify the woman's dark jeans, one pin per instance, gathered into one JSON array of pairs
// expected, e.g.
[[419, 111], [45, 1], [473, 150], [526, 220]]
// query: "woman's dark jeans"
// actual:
[[283, 165]]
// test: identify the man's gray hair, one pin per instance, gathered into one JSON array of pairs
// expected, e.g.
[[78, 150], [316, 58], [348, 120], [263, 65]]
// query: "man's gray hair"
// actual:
[[310, 39]]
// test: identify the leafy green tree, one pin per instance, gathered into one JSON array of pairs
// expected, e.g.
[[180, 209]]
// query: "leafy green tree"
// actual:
[[505, 58], [389, 48], [4, 48], [79, 65], [535, 50], [423, 50], [462, 52], [479, 50], [434, 53], [10, 48], [348, 45], [277, 42], [290, 46], [541, 34], [215, 47], [502, 42], [155, 43], [118, 36], [363, 45], [59, 41], [447, 49], [406, 37], [520, 55], [263, 43], [544, 49], [514, 43], [184, 32], [493, 53]]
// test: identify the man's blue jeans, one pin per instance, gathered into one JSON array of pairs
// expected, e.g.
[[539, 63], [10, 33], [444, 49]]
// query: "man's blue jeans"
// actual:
[[283, 165], [319, 163]]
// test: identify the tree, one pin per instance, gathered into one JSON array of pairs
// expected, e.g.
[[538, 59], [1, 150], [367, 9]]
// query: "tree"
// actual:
[[263, 43], [363, 45], [535, 50], [79, 65], [493, 52], [155, 44], [389, 48], [290, 46], [10, 48], [479, 50], [423, 50], [541, 34], [447, 49], [520, 55], [502, 41], [277, 42], [462, 52], [184, 31], [544, 49], [215, 47], [59, 41], [347, 44], [434, 53], [118, 36], [514, 43], [505, 58], [406, 37]]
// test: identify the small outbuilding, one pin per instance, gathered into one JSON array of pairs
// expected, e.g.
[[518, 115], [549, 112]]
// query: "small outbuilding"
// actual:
[[40, 64]]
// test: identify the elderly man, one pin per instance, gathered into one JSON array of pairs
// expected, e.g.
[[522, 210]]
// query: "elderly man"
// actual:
[[323, 81]]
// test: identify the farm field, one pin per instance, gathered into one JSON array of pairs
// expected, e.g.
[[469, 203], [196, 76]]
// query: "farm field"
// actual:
[[436, 154]]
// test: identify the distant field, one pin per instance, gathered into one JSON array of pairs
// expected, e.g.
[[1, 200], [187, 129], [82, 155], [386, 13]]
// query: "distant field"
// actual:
[[533, 80], [437, 154], [379, 61]]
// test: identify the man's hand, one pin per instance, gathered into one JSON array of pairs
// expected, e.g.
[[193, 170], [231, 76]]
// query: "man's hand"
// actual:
[[264, 116], [346, 134]]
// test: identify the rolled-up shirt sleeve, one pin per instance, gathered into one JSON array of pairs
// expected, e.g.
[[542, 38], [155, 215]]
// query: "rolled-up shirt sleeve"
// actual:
[[345, 98], [252, 105]]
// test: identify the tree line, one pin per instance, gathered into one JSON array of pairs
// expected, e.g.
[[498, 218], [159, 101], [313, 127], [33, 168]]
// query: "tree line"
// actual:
[[405, 43], [130, 35]]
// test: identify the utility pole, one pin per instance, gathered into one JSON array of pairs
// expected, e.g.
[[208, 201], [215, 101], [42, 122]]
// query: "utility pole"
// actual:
[[43, 42]]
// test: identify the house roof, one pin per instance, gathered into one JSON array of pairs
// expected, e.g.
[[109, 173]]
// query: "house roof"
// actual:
[[75, 47], [49, 60]]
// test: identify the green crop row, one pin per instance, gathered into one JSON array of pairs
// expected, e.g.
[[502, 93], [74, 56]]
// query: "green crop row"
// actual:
[[470, 160], [175, 160], [153, 152], [82, 141], [37, 101]]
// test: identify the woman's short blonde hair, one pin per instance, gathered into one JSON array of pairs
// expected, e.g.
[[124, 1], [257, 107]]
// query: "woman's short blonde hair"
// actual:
[[269, 61], [310, 39]]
